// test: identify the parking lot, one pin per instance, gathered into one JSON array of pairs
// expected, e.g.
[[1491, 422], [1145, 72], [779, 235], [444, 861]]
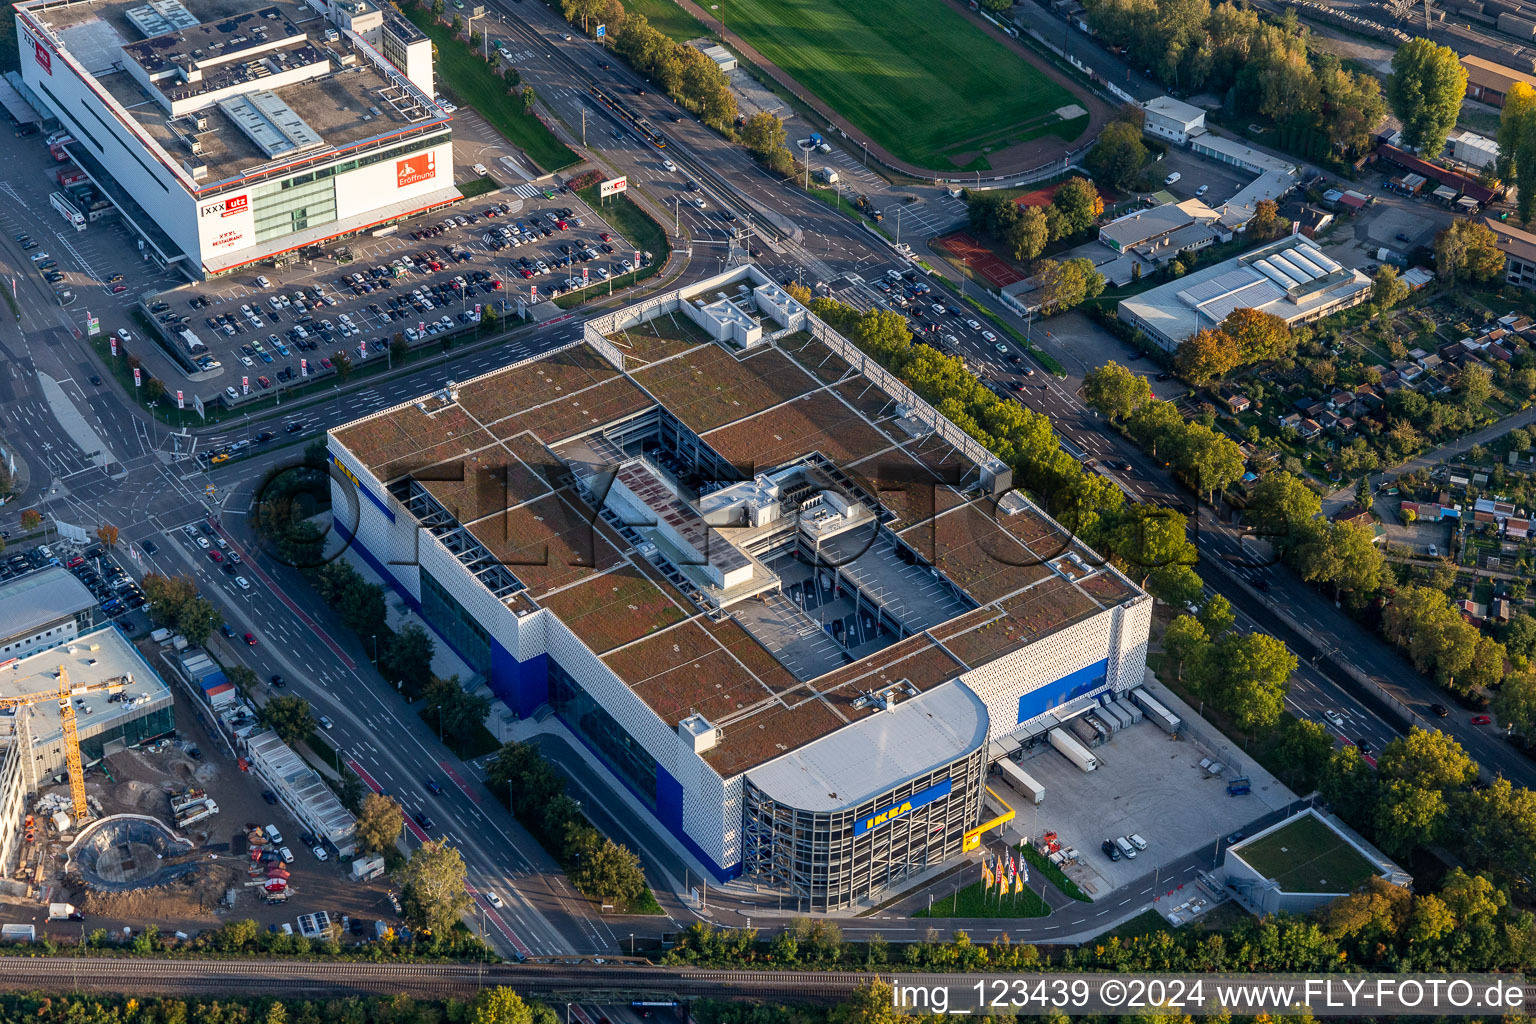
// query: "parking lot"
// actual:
[[1147, 784], [268, 329]]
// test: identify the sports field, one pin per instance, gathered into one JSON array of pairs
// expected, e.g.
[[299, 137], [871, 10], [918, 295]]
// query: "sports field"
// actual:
[[1308, 856], [914, 75]]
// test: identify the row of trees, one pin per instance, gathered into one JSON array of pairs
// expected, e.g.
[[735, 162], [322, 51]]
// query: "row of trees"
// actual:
[[685, 73], [1243, 675], [497, 1005], [1260, 68], [1517, 147], [1208, 460], [1026, 231], [1287, 512], [598, 867]]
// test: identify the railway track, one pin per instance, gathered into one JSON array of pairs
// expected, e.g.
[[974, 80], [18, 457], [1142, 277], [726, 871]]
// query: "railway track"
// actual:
[[323, 979]]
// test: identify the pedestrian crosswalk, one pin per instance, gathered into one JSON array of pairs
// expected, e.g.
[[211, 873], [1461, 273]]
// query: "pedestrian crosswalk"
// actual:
[[527, 191]]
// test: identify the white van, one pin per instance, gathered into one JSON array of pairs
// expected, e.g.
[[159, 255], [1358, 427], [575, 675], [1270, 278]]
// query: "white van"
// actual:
[[1175, 176], [1125, 847], [273, 835]]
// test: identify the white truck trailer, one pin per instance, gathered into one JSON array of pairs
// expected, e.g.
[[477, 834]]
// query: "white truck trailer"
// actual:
[[1021, 780], [1072, 750]]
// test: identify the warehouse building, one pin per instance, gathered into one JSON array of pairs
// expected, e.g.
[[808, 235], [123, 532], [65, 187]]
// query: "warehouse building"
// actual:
[[784, 601], [1290, 278], [1489, 83], [43, 609], [227, 135]]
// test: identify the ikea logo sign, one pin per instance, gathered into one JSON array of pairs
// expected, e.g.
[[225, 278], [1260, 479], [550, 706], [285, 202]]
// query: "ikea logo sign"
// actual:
[[911, 803]]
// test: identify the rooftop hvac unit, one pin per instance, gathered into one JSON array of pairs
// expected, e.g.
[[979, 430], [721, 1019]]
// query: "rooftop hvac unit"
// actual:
[[198, 170], [195, 145], [200, 121]]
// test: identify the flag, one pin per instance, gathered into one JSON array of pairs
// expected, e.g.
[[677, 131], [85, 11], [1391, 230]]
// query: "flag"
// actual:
[[1018, 885], [986, 874]]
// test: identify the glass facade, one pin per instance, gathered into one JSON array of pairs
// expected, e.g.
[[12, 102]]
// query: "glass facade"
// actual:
[[130, 732], [282, 207], [830, 860], [466, 636], [603, 733]]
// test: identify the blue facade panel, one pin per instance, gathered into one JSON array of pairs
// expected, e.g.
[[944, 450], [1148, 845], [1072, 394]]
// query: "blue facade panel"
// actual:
[[1038, 701], [523, 686]]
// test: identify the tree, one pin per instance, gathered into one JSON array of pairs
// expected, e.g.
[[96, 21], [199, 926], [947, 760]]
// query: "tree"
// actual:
[[1303, 748], [406, 658], [1027, 236], [1252, 674], [339, 359], [458, 712], [1187, 644], [1387, 288], [529, 98], [31, 519], [1468, 251], [107, 534], [1211, 460], [1206, 356], [1118, 156], [1514, 702], [1349, 785], [763, 133], [379, 821], [602, 869], [1066, 284], [290, 717], [431, 883], [1282, 505], [1425, 89], [1265, 222], [1257, 335], [1517, 147], [399, 348], [520, 771], [175, 604], [799, 292], [1116, 391], [499, 1005], [1077, 205], [1473, 386], [154, 390], [1216, 616]]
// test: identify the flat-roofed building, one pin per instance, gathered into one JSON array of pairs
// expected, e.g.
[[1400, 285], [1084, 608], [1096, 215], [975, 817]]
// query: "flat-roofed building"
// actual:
[[43, 609], [781, 598], [1164, 232], [227, 135], [1172, 119], [1290, 278], [1519, 248]]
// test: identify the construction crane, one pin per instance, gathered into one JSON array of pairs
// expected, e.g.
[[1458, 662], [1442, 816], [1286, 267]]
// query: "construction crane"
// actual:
[[64, 694]]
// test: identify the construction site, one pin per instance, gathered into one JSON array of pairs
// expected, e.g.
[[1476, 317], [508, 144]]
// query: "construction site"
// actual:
[[111, 813]]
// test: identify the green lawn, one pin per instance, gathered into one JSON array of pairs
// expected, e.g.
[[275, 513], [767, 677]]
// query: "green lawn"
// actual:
[[977, 901], [669, 19], [472, 82], [1308, 856], [917, 77]]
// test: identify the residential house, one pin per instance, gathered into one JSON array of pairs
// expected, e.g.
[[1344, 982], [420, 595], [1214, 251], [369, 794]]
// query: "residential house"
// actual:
[[1341, 401], [1355, 514], [1234, 400], [1308, 429], [1310, 220], [1517, 528]]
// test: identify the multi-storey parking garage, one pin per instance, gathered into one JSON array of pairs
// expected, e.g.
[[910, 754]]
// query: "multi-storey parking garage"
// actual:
[[786, 602]]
